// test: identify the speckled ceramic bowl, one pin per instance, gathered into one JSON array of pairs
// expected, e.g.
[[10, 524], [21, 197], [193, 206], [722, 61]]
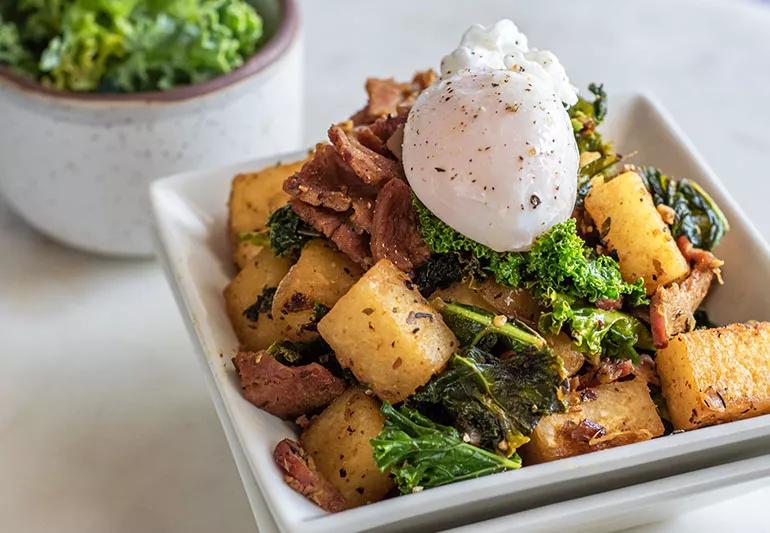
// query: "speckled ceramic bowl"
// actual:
[[77, 166]]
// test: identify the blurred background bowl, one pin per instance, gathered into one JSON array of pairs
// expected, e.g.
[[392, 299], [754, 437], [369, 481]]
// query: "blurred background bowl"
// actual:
[[76, 166]]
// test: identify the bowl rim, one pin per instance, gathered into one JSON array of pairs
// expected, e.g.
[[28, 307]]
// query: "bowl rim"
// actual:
[[276, 46]]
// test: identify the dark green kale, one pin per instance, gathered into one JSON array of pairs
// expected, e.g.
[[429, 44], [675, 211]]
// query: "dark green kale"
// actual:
[[421, 454], [496, 401], [127, 45], [586, 116], [262, 306], [596, 332], [319, 311], [303, 353], [438, 272], [286, 233], [476, 327], [442, 239], [560, 262], [697, 216]]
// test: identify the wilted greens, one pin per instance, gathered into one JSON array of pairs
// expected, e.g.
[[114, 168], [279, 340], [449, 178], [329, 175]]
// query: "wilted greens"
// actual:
[[596, 332], [438, 272], [126, 45], [586, 116], [476, 327], [421, 454], [697, 216], [496, 401]]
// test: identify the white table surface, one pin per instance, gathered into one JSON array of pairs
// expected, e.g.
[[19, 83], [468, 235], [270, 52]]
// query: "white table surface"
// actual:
[[105, 422]]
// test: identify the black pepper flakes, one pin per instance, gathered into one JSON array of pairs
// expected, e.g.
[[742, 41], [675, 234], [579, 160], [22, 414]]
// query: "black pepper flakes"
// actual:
[[534, 201]]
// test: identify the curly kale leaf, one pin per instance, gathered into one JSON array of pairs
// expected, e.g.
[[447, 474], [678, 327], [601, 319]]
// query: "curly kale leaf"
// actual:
[[560, 262], [596, 332], [12, 52], [131, 45], [697, 216], [288, 232], [442, 239], [421, 454]]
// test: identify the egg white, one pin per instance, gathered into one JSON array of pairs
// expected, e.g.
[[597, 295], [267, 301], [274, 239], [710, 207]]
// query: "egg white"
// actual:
[[492, 153]]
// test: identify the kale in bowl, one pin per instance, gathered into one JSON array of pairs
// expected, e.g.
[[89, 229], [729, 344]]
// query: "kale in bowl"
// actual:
[[127, 45]]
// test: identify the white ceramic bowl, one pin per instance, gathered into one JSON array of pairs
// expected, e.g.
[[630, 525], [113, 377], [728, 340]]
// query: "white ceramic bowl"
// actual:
[[191, 216], [77, 166]]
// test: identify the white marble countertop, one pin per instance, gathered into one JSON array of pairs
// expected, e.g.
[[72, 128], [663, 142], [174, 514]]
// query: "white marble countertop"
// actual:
[[105, 421]]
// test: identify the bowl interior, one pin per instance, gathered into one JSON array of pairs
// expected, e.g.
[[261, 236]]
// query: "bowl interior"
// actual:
[[190, 212]]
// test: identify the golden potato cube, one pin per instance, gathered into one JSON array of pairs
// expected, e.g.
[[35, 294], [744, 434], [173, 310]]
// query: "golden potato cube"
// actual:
[[321, 276], [710, 376], [629, 223], [385, 332], [603, 417], [338, 442], [463, 293], [253, 198], [517, 303], [563, 346], [244, 293]]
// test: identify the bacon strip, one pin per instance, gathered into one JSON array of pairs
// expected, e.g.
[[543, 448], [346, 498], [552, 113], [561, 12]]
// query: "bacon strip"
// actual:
[[285, 391], [301, 475]]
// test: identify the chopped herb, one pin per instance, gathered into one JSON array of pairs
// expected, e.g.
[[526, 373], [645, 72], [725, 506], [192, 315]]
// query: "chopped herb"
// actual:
[[262, 306]]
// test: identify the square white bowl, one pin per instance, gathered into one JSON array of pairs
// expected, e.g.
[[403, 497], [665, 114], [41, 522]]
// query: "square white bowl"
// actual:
[[190, 216]]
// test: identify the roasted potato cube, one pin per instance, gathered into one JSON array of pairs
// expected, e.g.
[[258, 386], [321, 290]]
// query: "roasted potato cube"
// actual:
[[320, 277], [248, 298], [253, 198], [463, 293], [710, 376], [628, 221], [563, 346], [517, 303], [385, 332], [603, 417], [338, 442]]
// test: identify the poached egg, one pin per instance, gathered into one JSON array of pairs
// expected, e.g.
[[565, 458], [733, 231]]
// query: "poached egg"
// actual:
[[489, 148]]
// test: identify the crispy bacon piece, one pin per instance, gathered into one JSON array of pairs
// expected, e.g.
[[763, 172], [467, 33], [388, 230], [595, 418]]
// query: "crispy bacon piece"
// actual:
[[701, 259], [395, 231], [609, 305], [606, 372], [389, 97], [285, 391], [299, 472], [585, 431], [337, 228], [338, 190], [647, 370], [326, 181], [672, 307], [371, 167]]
